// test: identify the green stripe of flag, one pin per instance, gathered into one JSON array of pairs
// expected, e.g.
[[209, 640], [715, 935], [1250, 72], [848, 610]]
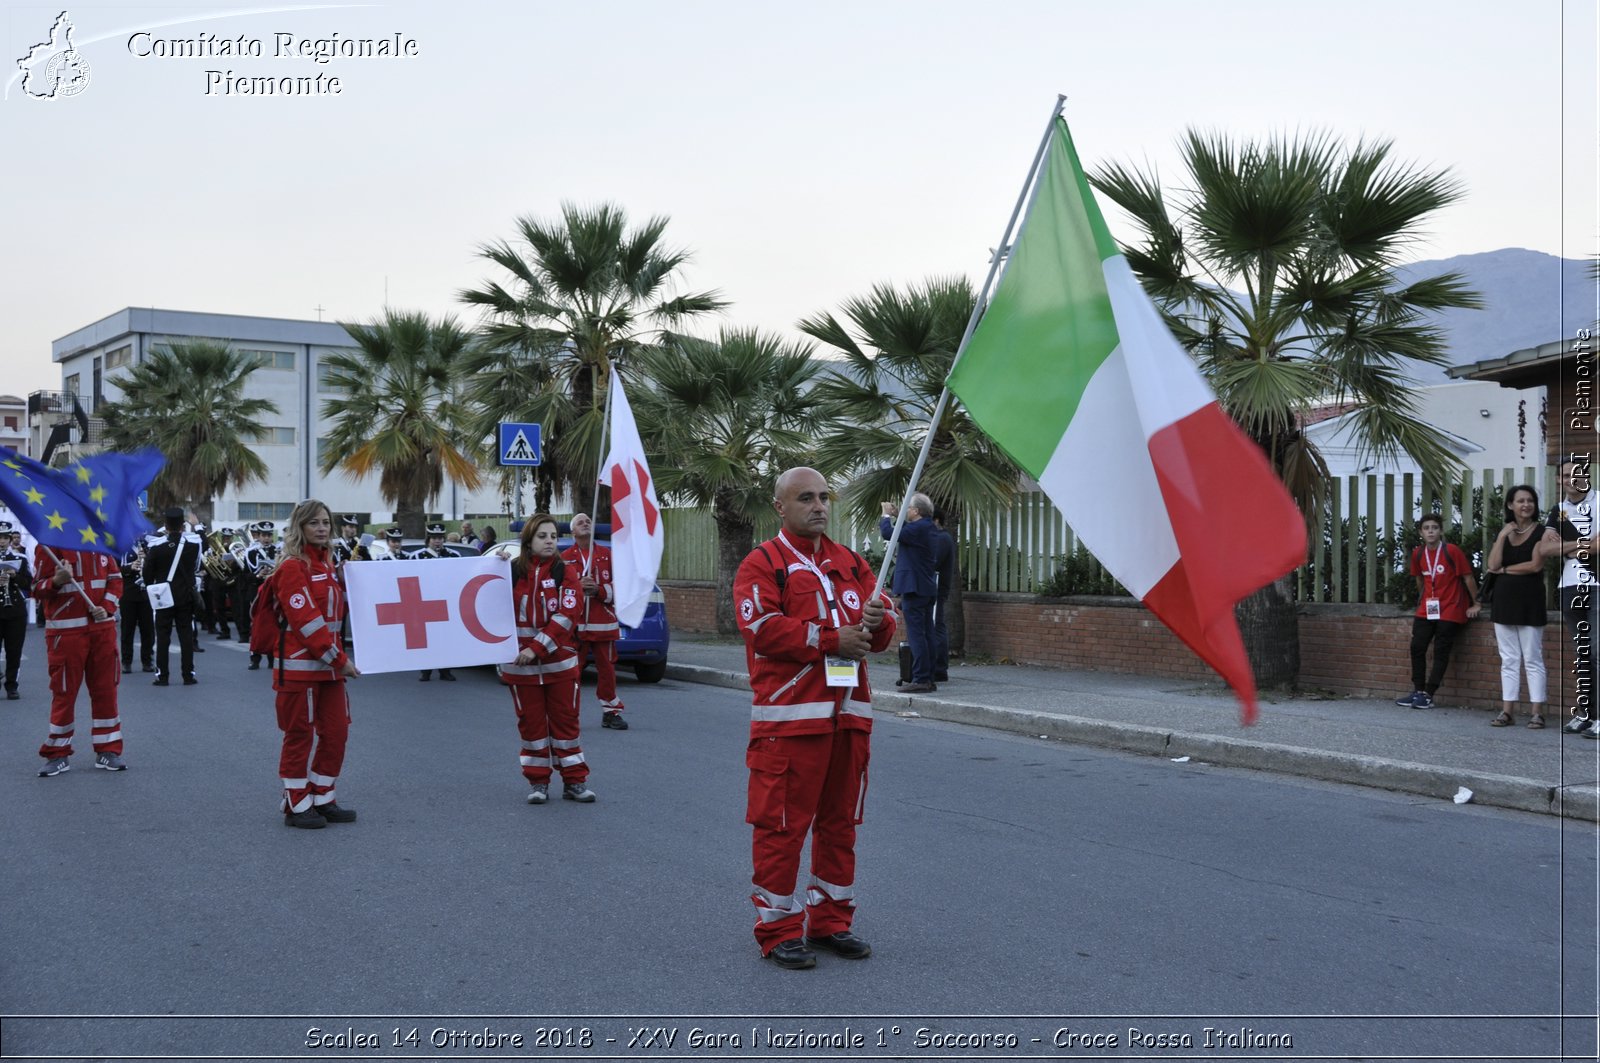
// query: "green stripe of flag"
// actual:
[[1049, 325]]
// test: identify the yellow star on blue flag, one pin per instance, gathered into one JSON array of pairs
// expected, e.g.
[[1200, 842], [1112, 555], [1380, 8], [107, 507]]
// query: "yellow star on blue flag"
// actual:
[[92, 505]]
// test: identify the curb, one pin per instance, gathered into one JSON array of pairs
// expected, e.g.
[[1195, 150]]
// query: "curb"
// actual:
[[1579, 802]]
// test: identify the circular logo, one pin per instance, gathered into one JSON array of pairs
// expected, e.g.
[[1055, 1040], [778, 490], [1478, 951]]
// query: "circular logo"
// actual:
[[569, 599], [298, 601], [852, 599], [747, 609], [66, 74]]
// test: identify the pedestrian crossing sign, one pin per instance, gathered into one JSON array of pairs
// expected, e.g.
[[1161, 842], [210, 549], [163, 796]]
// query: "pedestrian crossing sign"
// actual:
[[519, 444]]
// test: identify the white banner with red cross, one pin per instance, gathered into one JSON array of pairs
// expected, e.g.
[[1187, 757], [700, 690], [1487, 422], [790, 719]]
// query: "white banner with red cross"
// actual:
[[433, 613]]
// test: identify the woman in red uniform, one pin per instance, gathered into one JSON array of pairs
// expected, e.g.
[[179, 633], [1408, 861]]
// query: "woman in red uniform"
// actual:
[[311, 670], [544, 677]]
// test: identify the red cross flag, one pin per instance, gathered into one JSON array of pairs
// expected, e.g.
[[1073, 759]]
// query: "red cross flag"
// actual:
[[432, 613], [636, 536]]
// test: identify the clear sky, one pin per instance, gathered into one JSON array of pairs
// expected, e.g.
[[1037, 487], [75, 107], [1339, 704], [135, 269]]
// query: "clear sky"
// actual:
[[803, 152]]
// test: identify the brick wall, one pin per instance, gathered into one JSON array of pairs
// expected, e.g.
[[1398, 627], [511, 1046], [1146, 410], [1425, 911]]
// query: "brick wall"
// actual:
[[1350, 649]]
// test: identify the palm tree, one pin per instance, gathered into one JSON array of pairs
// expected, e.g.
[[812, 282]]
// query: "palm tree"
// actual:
[[397, 414], [581, 292], [187, 400], [721, 419], [1311, 231], [896, 353]]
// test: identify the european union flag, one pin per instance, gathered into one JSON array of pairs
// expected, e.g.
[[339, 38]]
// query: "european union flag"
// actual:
[[92, 504]]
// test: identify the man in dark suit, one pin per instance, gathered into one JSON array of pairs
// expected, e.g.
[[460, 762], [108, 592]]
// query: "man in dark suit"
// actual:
[[16, 582], [916, 584], [944, 568], [173, 561]]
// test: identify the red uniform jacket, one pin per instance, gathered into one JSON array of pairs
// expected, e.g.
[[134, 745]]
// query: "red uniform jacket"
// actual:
[[788, 633], [597, 620], [64, 608], [547, 623], [312, 603]]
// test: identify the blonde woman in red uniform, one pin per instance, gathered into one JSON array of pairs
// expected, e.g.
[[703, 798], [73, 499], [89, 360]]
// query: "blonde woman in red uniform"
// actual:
[[544, 677], [311, 670]]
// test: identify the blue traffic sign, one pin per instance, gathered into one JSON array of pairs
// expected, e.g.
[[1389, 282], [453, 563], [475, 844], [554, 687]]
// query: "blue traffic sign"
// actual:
[[519, 444]]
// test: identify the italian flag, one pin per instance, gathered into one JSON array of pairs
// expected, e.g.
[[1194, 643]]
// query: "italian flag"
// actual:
[[1073, 373]]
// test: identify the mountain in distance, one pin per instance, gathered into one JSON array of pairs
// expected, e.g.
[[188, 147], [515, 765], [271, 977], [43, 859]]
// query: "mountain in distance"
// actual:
[[1529, 298]]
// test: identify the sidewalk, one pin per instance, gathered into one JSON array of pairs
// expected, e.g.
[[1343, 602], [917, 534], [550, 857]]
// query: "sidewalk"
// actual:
[[1430, 752]]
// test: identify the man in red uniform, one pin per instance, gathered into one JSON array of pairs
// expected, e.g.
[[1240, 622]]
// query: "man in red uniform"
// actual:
[[1446, 600], [808, 618], [79, 599], [598, 630]]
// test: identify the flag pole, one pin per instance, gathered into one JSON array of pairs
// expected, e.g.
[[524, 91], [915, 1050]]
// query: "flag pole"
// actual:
[[961, 348], [612, 380]]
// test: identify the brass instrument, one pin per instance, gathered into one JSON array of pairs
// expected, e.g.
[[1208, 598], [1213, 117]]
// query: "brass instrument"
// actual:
[[222, 563]]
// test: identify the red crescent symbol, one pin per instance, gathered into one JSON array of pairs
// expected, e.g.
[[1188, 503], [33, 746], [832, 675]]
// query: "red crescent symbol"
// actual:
[[469, 610]]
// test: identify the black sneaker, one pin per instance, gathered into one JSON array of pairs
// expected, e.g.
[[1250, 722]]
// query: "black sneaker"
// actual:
[[12, 695], [147, 667], [614, 721], [189, 680], [447, 675], [255, 662], [843, 944], [307, 820], [1578, 725], [159, 681], [1408, 701], [792, 955], [334, 814]]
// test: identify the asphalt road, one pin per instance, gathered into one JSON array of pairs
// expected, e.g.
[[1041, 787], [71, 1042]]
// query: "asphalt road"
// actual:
[[1012, 889]]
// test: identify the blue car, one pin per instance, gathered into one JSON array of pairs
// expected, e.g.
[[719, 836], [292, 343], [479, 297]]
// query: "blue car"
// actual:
[[643, 647]]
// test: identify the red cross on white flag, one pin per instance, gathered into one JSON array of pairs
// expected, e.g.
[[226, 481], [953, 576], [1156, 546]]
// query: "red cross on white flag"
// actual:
[[636, 534]]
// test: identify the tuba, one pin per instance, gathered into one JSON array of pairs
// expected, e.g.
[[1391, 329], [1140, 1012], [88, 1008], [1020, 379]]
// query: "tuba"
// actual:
[[221, 563]]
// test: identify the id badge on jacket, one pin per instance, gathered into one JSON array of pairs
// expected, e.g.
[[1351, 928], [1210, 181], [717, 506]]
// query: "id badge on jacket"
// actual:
[[1431, 605], [842, 671]]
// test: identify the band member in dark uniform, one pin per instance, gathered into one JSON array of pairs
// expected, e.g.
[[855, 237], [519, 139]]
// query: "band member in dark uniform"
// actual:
[[16, 579], [260, 558], [433, 550], [221, 581], [175, 561], [135, 614], [348, 546]]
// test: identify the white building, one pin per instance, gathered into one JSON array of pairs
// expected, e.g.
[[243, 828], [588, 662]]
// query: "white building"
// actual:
[[14, 423], [290, 354]]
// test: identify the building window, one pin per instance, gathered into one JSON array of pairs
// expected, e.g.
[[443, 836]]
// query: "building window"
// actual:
[[322, 450], [120, 357], [325, 383], [73, 384], [265, 510], [270, 359], [269, 437], [11, 424]]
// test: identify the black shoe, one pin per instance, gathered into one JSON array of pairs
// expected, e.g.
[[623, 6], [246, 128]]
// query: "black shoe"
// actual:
[[243, 640], [1578, 725], [941, 677], [160, 681], [255, 662], [147, 668], [189, 680], [614, 721], [127, 668], [12, 695], [918, 688], [425, 677], [224, 637], [334, 814], [793, 955], [199, 648], [1593, 734], [307, 820], [843, 944], [447, 675]]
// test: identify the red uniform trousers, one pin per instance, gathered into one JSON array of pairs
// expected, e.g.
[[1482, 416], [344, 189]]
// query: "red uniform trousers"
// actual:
[[307, 712], [547, 720], [605, 670], [814, 783], [75, 655]]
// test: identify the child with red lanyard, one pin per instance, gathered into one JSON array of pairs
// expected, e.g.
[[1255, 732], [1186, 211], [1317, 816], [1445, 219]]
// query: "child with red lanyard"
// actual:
[[544, 677], [1447, 596]]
